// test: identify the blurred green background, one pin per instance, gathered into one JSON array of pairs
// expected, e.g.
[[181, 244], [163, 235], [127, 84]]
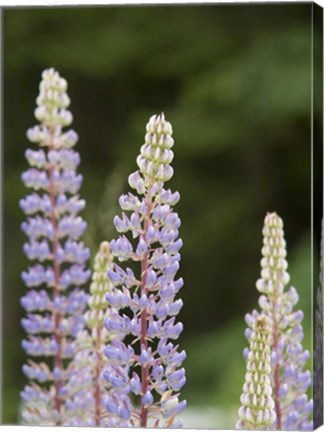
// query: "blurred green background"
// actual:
[[235, 81]]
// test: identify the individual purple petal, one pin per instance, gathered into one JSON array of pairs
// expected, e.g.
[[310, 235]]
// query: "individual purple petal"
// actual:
[[148, 399]]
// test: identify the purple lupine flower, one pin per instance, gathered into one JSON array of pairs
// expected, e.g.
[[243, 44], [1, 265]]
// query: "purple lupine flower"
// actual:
[[86, 384], [53, 227], [143, 307], [290, 381], [318, 351]]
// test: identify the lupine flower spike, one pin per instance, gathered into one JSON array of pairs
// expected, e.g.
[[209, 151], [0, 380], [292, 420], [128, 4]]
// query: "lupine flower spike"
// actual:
[[54, 309], [146, 366], [318, 351], [86, 383], [289, 379], [257, 410]]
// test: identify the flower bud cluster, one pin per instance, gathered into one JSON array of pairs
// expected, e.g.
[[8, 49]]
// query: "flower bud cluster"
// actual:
[[144, 307], [156, 154], [86, 382], [53, 228], [289, 380], [257, 410]]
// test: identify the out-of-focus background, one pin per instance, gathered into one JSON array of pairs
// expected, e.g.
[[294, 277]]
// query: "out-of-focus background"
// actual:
[[235, 81]]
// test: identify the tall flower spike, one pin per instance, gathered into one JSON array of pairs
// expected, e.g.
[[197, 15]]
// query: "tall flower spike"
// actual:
[[318, 351], [289, 379], [148, 366], [86, 382], [54, 309], [257, 410]]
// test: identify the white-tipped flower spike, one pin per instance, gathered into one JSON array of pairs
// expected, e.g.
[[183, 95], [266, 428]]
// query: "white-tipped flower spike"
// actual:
[[257, 406], [86, 384], [318, 351], [148, 367], [54, 309], [289, 380]]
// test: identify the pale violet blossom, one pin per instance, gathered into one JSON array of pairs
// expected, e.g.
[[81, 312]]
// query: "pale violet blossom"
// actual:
[[54, 302], [144, 360]]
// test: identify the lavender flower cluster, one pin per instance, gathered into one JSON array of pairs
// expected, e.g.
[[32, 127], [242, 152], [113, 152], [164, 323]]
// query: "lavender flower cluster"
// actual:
[[144, 306], [290, 381], [56, 318], [110, 357], [54, 309]]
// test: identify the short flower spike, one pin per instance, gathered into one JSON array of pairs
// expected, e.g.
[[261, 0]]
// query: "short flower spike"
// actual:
[[86, 384], [257, 410]]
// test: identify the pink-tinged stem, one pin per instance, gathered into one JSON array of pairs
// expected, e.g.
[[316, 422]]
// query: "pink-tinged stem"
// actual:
[[97, 392], [143, 318], [56, 291]]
